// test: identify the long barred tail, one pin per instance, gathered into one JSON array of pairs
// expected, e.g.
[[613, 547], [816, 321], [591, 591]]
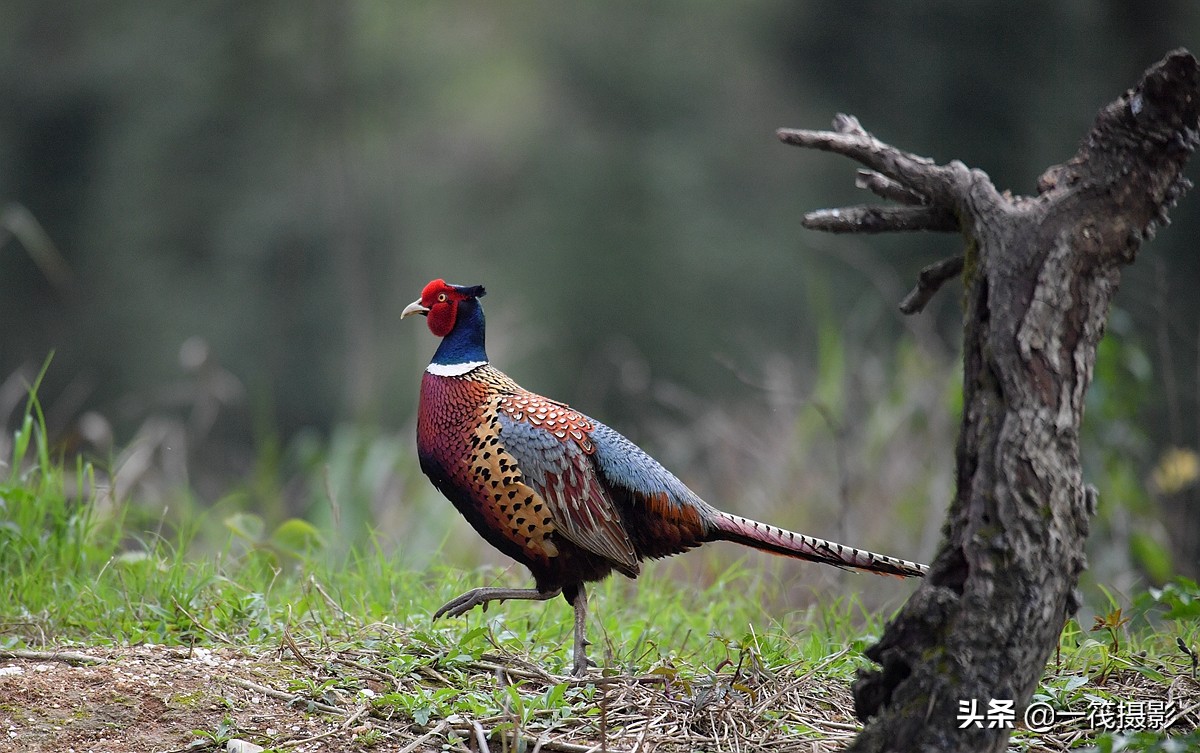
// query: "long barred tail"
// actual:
[[778, 541]]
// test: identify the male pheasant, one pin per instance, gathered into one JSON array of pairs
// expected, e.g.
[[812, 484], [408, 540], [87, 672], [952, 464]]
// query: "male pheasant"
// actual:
[[561, 493]]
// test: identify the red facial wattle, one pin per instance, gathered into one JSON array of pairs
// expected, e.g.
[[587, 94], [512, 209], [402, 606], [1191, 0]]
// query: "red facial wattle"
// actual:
[[442, 315], [442, 301]]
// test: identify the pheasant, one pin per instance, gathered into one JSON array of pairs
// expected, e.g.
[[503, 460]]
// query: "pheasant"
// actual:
[[559, 492]]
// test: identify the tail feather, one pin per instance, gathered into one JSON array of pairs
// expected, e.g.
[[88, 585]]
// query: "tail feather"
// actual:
[[779, 541]]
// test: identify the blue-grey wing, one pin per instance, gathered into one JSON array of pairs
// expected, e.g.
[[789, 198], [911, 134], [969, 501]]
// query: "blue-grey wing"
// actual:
[[627, 466], [550, 443]]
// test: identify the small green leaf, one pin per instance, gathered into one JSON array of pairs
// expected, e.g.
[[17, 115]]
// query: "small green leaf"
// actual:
[[555, 695], [21, 442], [246, 525], [296, 536], [1074, 682], [742, 687]]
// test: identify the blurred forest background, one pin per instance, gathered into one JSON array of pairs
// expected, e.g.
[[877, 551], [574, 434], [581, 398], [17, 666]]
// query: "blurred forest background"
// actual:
[[214, 212]]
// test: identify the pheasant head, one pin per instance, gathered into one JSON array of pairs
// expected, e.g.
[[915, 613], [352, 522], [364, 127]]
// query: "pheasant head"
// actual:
[[453, 313]]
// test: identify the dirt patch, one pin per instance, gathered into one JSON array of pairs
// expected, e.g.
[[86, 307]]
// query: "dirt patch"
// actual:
[[154, 698]]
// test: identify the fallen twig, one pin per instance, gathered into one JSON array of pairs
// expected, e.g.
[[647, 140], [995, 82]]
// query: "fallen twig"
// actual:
[[330, 733], [281, 695], [67, 657]]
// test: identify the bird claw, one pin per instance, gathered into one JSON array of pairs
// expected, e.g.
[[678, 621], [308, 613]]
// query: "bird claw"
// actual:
[[481, 597], [460, 605], [581, 665], [464, 603]]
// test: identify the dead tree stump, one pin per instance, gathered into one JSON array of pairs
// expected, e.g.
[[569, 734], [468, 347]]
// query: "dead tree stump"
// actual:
[[1039, 273]]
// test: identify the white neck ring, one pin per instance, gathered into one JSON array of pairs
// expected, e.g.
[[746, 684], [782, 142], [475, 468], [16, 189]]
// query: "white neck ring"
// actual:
[[453, 369]]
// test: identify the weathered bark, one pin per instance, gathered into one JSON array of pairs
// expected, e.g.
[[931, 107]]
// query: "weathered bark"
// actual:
[[1039, 273]]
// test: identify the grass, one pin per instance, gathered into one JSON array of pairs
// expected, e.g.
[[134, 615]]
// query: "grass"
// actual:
[[680, 662]]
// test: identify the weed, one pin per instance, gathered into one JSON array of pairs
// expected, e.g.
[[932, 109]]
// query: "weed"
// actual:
[[225, 731]]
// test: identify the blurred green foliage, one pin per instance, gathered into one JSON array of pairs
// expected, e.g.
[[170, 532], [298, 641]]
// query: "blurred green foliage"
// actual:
[[243, 197]]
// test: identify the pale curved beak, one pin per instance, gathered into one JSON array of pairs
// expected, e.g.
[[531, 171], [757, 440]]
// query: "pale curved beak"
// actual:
[[414, 308]]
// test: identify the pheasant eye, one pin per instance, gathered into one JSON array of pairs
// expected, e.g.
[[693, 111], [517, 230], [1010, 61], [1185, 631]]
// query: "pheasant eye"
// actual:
[[441, 297]]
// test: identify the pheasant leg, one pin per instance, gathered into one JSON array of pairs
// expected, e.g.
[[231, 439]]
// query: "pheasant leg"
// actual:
[[581, 642]]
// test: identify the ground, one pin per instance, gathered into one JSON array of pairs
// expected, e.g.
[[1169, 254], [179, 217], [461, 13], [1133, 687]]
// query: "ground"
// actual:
[[157, 698], [170, 698], [149, 698]]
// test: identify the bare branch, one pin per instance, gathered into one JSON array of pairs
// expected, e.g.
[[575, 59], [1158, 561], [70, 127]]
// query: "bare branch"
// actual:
[[951, 185], [886, 188], [908, 169], [872, 218], [929, 281], [848, 124], [932, 197]]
